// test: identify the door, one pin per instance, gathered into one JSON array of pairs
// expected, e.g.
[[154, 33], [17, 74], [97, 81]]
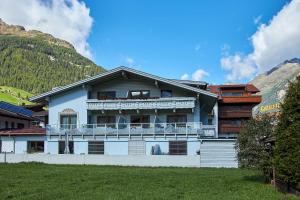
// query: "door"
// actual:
[[136, 147]]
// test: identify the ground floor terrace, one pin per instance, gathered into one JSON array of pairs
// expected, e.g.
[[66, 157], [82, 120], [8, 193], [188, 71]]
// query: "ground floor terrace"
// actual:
[[41, 181]]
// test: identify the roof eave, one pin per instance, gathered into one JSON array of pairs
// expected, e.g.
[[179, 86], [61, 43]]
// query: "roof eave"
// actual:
[[42, 96]]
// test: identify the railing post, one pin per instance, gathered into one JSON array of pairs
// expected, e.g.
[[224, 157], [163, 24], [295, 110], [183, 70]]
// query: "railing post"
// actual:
[[94, 126], [186, 130], [105, 130]]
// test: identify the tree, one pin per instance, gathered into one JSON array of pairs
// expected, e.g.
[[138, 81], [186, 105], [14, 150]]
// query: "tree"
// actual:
[[287, 148], [250, 144]]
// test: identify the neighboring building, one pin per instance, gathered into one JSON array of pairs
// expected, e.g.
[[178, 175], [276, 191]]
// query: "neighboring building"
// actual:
[[235, 105], [40, 113], [124, 111], [14, 117], [17, 129]]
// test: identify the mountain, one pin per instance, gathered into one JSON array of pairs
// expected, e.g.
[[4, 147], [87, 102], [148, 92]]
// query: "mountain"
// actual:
[[274, 83], [36, 62]]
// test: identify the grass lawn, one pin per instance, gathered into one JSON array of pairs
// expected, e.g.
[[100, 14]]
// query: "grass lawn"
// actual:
[[41, 181], [14, 95]]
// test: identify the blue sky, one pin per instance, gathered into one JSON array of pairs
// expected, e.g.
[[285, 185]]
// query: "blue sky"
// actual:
[[171, 38], [215, 41]]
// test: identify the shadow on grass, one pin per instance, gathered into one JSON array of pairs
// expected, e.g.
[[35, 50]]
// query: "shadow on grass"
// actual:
[[255, 178]]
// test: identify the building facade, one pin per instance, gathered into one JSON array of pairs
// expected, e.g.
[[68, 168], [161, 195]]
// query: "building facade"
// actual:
[[128, 112], [235, 103]]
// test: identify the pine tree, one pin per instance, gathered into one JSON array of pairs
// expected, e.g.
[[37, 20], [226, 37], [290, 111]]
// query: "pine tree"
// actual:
[[287, 149]]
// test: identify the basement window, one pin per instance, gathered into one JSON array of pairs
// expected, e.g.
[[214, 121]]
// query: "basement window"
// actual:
[[96, 147], [178, 147], [35, 146]]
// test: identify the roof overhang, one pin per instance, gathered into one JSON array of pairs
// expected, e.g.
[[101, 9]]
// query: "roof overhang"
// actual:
[[43, 96]]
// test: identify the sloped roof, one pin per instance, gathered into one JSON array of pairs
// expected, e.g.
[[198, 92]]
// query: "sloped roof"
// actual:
[[58, 90]]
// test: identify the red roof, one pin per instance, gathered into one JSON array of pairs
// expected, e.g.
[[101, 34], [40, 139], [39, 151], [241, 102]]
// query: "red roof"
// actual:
[[248, 87], [24, 131]]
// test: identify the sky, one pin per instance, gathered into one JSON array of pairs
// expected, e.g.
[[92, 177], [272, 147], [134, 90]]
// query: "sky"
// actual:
[[214, 41]]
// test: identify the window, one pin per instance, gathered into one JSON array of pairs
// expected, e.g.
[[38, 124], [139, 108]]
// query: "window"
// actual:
[[140, 120], [166, 93], [139, 94], [6, 124], [233, 94], [61, 147], [179, 120], [35, 146], [20, 125], [12, 125], [68, 121], [177, 147], [106, 95], [96, 147], [110, 121]]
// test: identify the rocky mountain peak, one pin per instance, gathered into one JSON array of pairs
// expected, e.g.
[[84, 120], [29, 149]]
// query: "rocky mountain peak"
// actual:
[[16, 30]]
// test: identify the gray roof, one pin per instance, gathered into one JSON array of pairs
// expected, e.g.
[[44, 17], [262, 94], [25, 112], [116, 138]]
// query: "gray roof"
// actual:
[[58, 90]]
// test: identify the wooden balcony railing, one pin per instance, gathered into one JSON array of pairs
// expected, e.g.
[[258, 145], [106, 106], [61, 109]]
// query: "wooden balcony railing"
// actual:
[[226, 128], [235, 114]]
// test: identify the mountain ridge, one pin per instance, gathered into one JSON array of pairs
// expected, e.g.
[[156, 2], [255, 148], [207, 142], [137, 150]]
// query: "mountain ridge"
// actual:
[[36, 62], [274, 83]]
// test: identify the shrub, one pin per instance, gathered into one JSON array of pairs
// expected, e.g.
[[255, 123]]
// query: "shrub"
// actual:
[[250, 144], [287, 149]]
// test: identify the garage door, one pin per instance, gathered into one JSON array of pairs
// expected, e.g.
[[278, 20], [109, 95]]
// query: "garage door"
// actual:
[[7, 145], [136, 147]]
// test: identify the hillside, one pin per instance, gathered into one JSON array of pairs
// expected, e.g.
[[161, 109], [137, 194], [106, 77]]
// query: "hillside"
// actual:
[[274, 83], [14, 96], [36, 62]]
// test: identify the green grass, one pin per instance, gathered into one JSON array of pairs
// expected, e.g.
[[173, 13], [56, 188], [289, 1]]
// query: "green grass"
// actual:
[[41, 181], [14, 95]]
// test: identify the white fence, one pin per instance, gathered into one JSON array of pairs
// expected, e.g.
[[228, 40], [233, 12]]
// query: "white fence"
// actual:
[[153, 161], [143, 161]]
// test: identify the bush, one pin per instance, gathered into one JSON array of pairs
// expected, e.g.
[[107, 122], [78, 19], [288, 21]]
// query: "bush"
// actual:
[[250, 144], [287, 149]]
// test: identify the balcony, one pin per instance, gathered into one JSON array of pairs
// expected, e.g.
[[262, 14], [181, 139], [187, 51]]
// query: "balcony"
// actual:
[[241, 99], [128, 130], [235, 114], [136, 104], [229, 128]]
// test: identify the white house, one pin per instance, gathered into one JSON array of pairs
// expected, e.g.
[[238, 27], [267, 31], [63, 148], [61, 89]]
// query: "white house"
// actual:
[[128, 112]]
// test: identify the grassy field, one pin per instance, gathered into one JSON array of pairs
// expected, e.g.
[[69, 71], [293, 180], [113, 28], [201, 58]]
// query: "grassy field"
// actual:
[[14, 95], [41, 181]]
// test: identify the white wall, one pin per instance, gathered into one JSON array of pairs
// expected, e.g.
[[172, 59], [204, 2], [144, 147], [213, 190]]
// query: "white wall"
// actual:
[[122, 86], [74, 99]]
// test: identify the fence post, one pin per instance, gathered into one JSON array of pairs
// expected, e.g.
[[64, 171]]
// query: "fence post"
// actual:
[[4, 156]]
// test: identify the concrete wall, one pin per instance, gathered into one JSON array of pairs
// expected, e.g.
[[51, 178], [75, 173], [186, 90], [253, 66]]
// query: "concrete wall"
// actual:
[[148, 161], [74, 99]]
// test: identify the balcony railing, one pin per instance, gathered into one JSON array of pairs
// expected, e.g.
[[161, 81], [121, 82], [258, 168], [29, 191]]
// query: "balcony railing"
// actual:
[[134, 104], [134, 129]]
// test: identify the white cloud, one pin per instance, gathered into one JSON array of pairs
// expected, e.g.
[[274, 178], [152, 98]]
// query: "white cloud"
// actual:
[[185, 77], [240, 67], [272, 43], [130, 61], [197, 47], [257, 19], [198, 75], [69, 20]]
